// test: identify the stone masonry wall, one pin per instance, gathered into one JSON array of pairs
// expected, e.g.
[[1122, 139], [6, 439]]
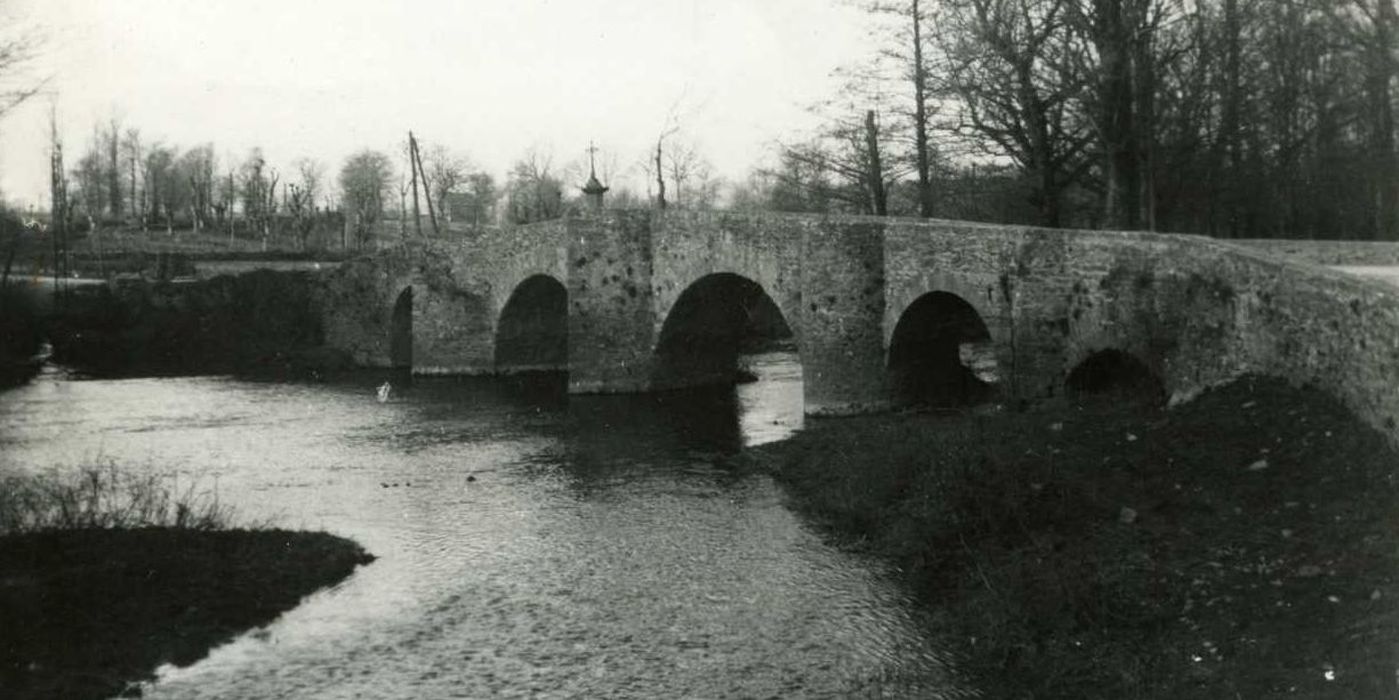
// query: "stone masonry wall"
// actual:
[[1199, 312], [1318, 327], [491, 266], [357, 301], [689, 246], [843, 300], [459, 289], [611, 317]]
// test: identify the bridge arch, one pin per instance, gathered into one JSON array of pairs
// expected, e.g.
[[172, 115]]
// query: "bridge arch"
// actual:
[[941, 353], [715, 320], [401, 330], [1115, 372], [532, 331]]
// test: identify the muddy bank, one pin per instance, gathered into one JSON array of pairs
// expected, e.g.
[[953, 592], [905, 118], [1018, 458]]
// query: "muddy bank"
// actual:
[[1243, 545], [86, 613], [261, 322]]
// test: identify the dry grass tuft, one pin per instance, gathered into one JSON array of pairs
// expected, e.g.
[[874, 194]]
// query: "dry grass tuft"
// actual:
[[103, 496]]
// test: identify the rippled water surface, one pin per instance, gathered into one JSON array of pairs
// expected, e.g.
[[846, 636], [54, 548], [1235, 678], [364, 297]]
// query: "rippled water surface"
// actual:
[[530, 543]]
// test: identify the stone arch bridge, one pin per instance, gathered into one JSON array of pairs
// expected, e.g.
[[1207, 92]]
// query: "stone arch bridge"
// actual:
[[878, 308]]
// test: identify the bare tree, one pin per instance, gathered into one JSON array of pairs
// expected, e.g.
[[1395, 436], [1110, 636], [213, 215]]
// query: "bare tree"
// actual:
[[799, 182], [162, 183], [58, 206], [685, 165], [660, 166], [1378, 40], [309, 175], [225, 194], [18, 47], [111, 140], [403, 206], [91, 186], [904, 62], [135, 163], [534, 192], [196, 169], [1008, 64], [654, 164], [481, 195], [258, 188], [446, 171], [253, 189], [364, 181], [300, 206], [845, 167], [1118, 54]]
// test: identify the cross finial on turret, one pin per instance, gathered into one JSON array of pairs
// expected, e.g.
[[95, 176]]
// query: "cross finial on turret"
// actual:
[[592, 151], [593, 189]]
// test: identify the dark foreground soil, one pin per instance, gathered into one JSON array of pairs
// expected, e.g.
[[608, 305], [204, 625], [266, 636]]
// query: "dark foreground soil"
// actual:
[[85, 613], [1244, 545]]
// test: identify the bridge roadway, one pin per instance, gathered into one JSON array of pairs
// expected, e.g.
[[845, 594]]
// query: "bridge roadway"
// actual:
[[1389, 274], [882, 311]]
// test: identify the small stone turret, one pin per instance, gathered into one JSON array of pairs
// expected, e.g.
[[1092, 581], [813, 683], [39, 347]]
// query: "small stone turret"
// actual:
[[593, 190]]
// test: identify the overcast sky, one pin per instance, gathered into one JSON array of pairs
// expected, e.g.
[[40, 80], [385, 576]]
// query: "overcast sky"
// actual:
[[489, 78]]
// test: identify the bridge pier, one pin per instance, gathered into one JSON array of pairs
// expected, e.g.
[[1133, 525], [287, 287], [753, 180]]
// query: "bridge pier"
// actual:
[[610, 313], [842, 318]]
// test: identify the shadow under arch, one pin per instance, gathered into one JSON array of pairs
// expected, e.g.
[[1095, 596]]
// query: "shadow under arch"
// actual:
[[532, 334], [1115, 373], [941, 354], [401, 331], [716, 319]]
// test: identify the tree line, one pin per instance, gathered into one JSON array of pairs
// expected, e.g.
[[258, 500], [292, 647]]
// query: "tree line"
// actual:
[[123, 179], [1234, 118]]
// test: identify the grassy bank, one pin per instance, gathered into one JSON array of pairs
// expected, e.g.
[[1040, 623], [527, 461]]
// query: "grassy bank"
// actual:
[[1243, 545], [105, 576]]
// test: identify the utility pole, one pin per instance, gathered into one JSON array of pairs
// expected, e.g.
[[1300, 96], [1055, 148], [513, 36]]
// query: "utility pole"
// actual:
[[412, 165], [58, 206], [417, 165]]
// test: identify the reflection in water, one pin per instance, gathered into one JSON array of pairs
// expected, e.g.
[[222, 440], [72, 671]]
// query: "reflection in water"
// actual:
[[598, 550]]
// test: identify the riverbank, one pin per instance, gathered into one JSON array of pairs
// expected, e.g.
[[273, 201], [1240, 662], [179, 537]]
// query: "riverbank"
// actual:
[[106, 576], [1243, 545], [262, 323]]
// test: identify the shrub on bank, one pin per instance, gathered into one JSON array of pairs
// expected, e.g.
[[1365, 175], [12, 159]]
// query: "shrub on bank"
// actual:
[[19, 315], [261, 321], [20, 331], [101, 496]]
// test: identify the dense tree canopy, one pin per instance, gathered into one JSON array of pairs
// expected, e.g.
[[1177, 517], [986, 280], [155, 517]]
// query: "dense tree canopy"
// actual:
[[1227, 117]]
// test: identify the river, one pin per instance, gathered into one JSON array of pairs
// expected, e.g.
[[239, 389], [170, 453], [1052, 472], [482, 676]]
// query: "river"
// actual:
[[529, 543]]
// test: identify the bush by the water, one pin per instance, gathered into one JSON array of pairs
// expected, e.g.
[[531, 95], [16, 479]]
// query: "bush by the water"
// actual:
[[102, 496], [20, 332], [262, 321]]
